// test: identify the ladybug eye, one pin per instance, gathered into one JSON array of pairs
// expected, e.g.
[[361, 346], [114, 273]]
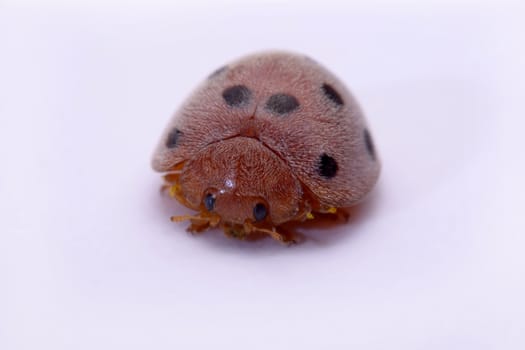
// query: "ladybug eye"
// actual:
[[209, 202], [259, 212]]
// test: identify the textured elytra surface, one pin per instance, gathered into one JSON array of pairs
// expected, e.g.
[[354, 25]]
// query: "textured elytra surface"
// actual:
[[295, 108]]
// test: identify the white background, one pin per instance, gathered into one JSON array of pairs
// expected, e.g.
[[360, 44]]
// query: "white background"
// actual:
[[89, 260]]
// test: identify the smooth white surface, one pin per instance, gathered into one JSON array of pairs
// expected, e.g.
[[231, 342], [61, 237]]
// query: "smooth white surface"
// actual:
[[89, 259]]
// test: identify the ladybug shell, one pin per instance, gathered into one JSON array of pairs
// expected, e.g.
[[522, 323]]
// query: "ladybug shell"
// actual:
[[296, 108]]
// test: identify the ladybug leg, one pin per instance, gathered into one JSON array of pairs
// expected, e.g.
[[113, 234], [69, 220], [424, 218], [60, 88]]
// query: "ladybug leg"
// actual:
[[329, 214], [170, 181], [235, 231], [283, 237], [172, 177], [180, 218], [292, 236], [278, 236], [198, 227], [198, 223]]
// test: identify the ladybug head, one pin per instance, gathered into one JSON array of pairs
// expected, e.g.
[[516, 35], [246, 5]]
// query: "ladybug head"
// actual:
[[241, 180]]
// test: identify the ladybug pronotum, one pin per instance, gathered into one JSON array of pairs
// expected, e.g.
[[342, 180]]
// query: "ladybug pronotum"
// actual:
[[269, 139]]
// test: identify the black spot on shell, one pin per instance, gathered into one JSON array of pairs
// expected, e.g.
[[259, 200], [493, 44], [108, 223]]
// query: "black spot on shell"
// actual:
[[333, 95], [282, 103], [237, 95], [209, 202], [259, 212], [327, 166], [217, 72], [173, 138], [369, 144]]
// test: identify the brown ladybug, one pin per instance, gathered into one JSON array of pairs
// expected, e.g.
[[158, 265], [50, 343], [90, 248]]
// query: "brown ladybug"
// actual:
[[269, 139]]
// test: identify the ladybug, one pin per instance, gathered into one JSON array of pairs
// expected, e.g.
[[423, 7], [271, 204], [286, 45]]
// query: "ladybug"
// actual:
[[270, 139]]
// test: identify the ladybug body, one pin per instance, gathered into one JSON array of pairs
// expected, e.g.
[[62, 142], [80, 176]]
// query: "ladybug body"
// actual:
[[269, 139]]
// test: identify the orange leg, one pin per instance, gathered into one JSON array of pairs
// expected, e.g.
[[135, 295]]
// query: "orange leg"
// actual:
[[283, 237]]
